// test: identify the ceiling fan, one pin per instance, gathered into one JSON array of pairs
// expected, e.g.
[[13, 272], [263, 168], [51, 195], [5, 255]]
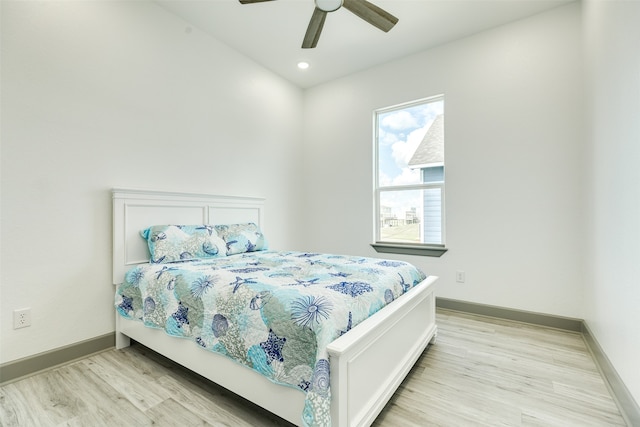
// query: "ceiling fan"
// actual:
[[362, 8]]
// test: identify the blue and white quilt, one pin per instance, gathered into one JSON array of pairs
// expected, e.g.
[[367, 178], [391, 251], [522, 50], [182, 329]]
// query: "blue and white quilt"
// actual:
[[274, 312]]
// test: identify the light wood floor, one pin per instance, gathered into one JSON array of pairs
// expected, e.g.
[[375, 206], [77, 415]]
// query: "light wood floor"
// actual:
[[481, 372]]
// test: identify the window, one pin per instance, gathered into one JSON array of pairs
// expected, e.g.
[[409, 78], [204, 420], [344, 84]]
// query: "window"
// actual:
[[409, 178]]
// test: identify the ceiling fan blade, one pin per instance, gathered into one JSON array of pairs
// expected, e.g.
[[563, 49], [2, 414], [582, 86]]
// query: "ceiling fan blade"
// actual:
[[252, 1], [314, 29], [371, 13]]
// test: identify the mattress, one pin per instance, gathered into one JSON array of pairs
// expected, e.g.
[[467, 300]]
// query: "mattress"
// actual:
[[274, 312]]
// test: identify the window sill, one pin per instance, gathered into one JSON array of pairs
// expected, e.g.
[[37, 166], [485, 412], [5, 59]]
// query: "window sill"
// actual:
[[404, 249]]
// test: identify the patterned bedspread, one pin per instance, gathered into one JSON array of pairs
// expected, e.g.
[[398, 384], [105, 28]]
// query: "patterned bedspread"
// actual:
[[274, 312]]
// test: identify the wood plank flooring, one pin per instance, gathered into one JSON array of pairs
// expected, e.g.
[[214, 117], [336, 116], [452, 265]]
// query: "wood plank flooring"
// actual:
[[481, 372]]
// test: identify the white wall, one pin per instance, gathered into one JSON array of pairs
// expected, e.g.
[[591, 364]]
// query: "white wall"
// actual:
[[612, 308], [514, 161], [108, 94]]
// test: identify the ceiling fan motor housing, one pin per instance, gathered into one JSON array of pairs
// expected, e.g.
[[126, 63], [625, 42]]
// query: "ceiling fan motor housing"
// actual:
[[328, 5], [362, 8]]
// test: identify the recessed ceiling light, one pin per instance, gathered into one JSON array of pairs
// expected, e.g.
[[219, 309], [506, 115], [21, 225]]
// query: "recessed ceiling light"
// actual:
[[303, 65]]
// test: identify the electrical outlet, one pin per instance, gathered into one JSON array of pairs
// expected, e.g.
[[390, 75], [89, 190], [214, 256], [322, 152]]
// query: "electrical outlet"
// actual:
[[21, 318], [460, 276]]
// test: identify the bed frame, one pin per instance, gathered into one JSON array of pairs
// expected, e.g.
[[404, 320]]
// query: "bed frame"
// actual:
[[394, 337]]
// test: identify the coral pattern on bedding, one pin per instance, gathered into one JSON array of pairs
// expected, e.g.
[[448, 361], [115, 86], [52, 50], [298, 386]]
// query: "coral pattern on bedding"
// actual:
[[274, 312], [171, 243], [240, 238]]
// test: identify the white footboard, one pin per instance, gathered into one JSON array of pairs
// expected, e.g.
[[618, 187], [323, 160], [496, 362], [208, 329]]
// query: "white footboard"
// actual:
[[369, 363]]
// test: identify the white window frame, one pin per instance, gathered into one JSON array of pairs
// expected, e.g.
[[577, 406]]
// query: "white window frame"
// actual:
[[425, 249]]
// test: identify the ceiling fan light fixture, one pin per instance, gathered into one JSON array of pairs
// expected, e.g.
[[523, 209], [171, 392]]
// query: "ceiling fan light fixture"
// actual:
[[328, 5], [363, 9]]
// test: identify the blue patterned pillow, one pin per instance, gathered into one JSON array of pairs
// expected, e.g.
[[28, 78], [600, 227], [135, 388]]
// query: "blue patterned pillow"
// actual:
[[240, 238], [171, 243]]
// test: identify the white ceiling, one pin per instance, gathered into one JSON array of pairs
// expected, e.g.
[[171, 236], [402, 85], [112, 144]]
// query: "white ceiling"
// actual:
[[271, 32]]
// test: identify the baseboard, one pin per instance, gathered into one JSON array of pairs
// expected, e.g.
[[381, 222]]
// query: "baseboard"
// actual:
[[558, 322], [11, 371], [625, 401], [628, 406]]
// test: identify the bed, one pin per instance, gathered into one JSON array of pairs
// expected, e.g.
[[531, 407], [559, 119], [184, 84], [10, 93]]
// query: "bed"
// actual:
[[365, 365]]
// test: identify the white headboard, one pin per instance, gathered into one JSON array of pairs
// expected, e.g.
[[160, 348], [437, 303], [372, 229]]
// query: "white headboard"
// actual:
[[135, 210]]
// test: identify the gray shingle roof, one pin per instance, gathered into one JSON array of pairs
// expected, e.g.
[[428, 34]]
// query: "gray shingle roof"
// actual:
[[431, 149]]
